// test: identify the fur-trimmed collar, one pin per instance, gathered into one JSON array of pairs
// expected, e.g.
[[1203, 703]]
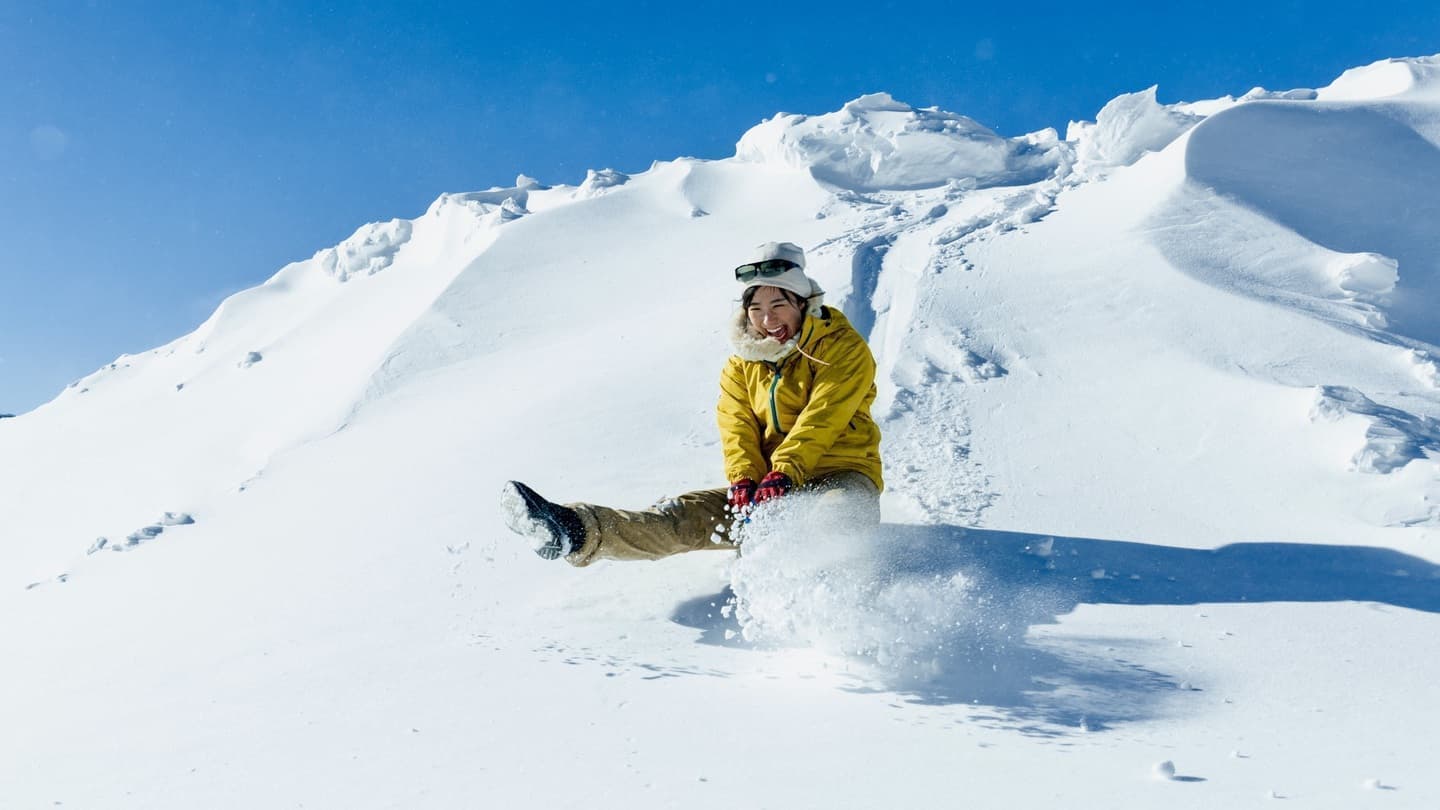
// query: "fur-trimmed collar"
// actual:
[[749, 345]]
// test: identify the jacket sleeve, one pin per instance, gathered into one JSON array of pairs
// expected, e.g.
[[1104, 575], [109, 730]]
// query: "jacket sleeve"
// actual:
[[740, 430], [838, 390]]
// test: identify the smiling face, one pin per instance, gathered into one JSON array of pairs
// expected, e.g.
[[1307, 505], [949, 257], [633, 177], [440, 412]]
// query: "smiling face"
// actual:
[[774, 313]]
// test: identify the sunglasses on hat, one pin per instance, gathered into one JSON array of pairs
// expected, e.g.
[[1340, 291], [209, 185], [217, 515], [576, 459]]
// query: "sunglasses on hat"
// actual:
[[766, 269]]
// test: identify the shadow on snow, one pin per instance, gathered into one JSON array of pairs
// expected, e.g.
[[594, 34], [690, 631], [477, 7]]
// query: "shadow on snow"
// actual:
[[1044, 686]]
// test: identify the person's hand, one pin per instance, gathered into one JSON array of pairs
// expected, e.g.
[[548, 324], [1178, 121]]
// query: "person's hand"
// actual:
[[742, 494], [772, 485]]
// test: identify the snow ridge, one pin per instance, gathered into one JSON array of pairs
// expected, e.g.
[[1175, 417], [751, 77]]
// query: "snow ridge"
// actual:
[[1387, 78], [371, 249], [876, 142], [1393, 438], [1126, 129]]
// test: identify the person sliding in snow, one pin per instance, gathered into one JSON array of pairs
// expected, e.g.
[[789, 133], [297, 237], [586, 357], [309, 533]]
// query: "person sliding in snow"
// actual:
[[794, 414]]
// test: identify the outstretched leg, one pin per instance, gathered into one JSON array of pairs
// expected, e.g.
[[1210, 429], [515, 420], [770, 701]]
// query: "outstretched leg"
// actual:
[[690, 522], [583, 533]]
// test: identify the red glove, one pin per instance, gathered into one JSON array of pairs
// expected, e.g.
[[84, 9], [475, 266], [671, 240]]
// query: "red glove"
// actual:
[[742, 493], [772, 485]]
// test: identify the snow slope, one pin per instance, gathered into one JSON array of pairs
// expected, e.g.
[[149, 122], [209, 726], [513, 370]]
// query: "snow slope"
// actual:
[[1162, 434]]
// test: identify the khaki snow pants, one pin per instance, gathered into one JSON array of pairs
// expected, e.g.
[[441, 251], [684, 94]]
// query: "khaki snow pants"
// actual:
[[691, 522]]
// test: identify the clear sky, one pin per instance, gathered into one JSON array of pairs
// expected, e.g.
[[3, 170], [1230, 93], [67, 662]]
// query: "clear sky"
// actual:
[[156, 157]]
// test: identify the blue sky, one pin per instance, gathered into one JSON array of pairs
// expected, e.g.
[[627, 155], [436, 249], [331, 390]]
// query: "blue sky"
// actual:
[[157, 157]]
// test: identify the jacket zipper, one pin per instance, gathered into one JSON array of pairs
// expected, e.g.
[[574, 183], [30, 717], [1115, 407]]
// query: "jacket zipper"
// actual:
[[775, 411], [775, 383]]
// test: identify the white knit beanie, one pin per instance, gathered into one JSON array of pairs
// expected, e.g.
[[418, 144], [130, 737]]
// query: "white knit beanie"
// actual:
[[793, 279]]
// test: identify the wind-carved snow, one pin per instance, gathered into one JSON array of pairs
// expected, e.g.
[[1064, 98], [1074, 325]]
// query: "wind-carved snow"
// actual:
[[599, 182], [371, 249], [1320, 208], [1365, 276], [1233, 247], [143, 534], [506, 203], [1298, 94], [1387, 78], [131, 541], [1393, 438], [1355, 179], [876, 142], [1425, 367], [1126, 129]]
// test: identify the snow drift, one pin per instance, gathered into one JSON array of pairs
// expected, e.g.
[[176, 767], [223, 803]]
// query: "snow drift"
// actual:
[[876, 142]]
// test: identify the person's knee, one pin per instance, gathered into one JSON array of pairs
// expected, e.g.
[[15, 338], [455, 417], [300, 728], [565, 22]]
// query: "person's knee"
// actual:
[[848, 481]]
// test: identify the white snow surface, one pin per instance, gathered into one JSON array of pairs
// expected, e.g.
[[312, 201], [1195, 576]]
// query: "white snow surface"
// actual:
[[877, 143], [1162, 447], [1127, 128]]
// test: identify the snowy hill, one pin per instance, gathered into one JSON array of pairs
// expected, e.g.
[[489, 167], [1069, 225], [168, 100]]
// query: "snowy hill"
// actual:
[[1161, 407]]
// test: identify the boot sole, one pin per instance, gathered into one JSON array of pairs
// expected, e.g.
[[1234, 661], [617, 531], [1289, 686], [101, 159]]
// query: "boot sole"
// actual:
[[525, 513]]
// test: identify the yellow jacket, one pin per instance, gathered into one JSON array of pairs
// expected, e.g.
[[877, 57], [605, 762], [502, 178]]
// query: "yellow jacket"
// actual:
[[804, 412]]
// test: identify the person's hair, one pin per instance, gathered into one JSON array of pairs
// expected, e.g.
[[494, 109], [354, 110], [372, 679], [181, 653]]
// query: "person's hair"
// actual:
[[749, 296]]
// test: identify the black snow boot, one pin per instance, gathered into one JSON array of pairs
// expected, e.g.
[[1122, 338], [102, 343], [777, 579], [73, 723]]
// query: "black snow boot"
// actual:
[[554, 530]]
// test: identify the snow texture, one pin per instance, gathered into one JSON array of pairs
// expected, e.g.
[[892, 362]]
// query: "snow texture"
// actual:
[[598, 182], [810, 577], [1126, 129], [876, 142], [371, 249], [1393, 438]]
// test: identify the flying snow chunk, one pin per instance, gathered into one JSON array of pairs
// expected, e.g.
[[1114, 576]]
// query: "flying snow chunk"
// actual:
[[876, 143], [1127, 128], [371, 249], [812, 574]]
